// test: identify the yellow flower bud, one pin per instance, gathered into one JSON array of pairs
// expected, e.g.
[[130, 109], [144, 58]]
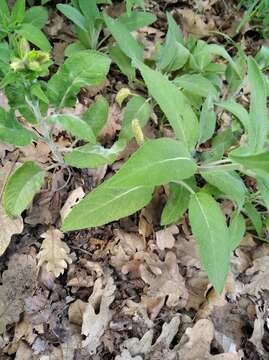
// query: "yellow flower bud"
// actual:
[[138, 133], [122, 95]]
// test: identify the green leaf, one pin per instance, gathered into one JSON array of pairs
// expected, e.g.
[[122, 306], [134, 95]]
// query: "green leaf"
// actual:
[[89, 9], [259, 163], [207, 123], [237, 230], [74, 15], [125, 40], [131, 3], [34, 36], [137, 20], [177, 203], [258, 107], [105, 204], [229, 183], [210, 230], [237, 110], [196, 84], [137, 108], [93, 156], [21, 188], [123, 62], [263, 186], [12, 132], [87, 68], [220, 50], [174, 105], [37, 16], [74, 125], [255, 217], [96, 116], [4, 10], [173, 55], [156, 162], [73, 48], [18, 11]]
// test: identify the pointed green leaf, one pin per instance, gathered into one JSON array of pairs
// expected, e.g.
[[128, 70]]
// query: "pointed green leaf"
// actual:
[[123, 62], [210, 230], [74, 15], [196, 84], [105, 204], [255, 217], [263, 186], [259, 163], [156, 162], [87, 68], [174, 105], [258, 107], [21, 188], [229, 183], [176, 205], [96, 116], [37, 16], [34, 36], [124, 39], [207, 123], [137, 108], [93, 156], [74, 125], [18, 11], [137, 20], [237, 230], [238, 111]]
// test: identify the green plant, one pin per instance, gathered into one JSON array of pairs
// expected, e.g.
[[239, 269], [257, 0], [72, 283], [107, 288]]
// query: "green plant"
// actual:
[[20, 22], [188, 102], [89, 22], [200, 166], [258, 13]]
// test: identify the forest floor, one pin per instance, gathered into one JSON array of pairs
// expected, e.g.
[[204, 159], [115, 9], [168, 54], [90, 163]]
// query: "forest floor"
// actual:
[[152, 299]]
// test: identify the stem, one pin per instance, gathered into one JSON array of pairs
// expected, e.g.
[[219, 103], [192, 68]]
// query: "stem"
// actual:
[[46, 131]]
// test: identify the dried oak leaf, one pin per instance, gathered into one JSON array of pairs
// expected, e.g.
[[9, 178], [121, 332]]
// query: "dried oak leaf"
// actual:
[[259, 281], [18, 283], [9, 226], [165, 238], [195, 343], [168, 283], [54, 252], [74, 197], [96, 318]]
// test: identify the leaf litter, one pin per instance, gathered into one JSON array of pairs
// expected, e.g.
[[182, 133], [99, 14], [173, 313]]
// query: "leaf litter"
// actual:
[[129, 290]]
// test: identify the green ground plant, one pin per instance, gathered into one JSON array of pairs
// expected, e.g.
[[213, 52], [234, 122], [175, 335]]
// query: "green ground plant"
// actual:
[[185, 80]]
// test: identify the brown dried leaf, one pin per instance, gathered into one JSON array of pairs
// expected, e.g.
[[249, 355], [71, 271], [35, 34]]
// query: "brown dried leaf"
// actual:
[[165, 238], [260, 273], [168, 283], [194, 24], [18, 283], [74, 197], [76, 311], [95, 323], [54, 252]]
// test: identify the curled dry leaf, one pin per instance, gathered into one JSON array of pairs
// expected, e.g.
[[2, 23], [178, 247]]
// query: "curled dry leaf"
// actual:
[[9, 226], [195, 343], [74, 197], [168, 283], [260, 273], [54, 252], [194, 24], [165, 238], [96, 322], [18, 282]]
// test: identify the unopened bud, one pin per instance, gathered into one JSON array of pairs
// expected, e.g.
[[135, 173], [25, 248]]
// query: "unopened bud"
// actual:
[[122, 95], [138, 133]]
